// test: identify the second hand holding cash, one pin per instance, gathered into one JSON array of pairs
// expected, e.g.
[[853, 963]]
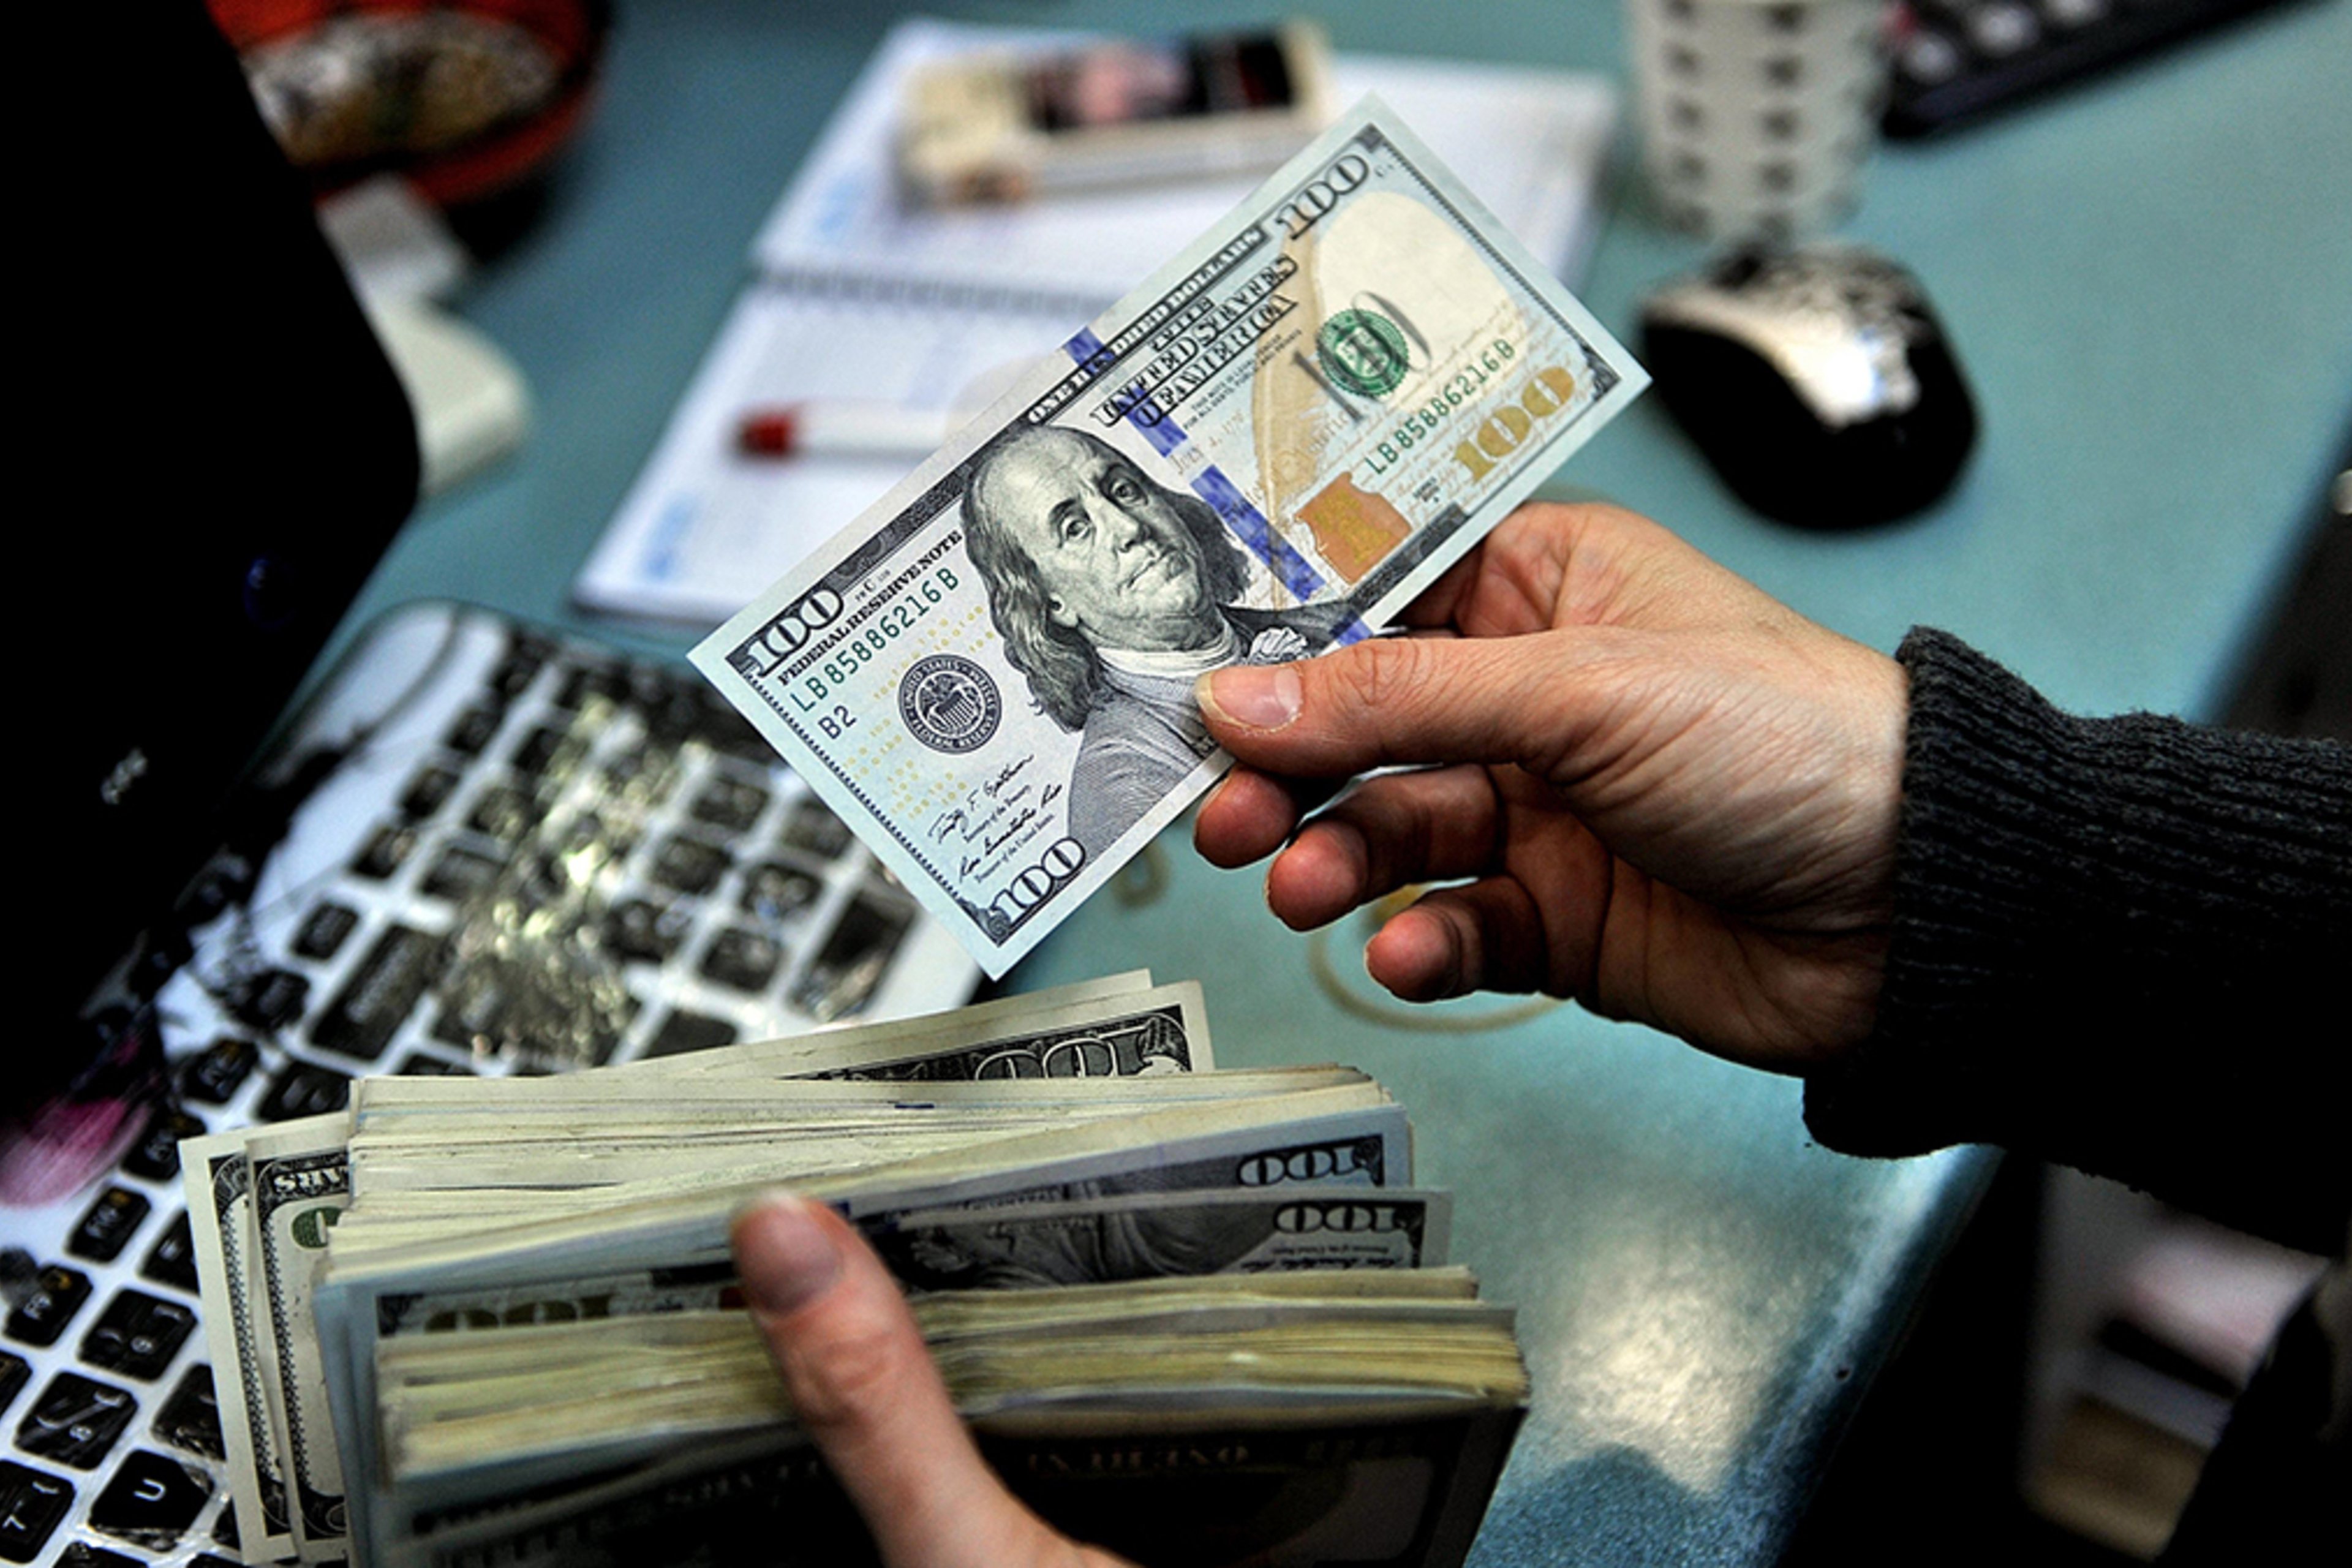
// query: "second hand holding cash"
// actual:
[[1153, 1253], [1265, 450]]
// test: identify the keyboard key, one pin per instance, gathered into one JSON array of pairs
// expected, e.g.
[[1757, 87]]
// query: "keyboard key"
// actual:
[[107, 1225], [156, 1156], [31, 1503], [592, 836], [75, 1421], [2004, 29], [640, 775], [383, 991], [841, 979], [214, 1074], [475, 729], [429, 790], [681, 719], [775, 893], [667, 700], [42, 1315], [744, 960], [474, 1010], [14, 1372], [152, 1500], [174, 1259], [270, 1000], [503, 813], [385, 853], [585, 1042], [730, 804], [416, 1064], [642, 931], [689, 865], [82, 1554], [461, 873], [325, 930], [303, 1089], [137, 1335], [725, 731], [682, 1032], [521, 665], [1928, 58], [546, 751], [486, 1009], [190, 1419], [815, 828], [590, 680]]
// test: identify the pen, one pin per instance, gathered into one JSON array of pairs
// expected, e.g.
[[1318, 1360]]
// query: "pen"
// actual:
[[847, 427]]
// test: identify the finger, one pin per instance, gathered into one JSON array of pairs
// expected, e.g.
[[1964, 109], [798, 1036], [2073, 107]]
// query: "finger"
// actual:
[[1250, 815], [1387, 833], [1686, 975], [1400, 700], [1485, 936], [862, 1383]]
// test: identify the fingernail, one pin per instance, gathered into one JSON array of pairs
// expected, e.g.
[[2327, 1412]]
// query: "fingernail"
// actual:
[[785, 1258], [1263, 697]]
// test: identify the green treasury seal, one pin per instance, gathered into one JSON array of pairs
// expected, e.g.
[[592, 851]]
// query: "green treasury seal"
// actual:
[[1363, 351]]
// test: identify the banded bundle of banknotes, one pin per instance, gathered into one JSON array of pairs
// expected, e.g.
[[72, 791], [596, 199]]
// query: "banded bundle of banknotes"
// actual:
[[1197, 1315]]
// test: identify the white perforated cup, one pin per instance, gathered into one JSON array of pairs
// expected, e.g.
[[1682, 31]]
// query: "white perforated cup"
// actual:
[[1758, 116]]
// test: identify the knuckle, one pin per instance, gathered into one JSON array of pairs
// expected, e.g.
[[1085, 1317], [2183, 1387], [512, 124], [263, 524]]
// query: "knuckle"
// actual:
[[1382, 676]]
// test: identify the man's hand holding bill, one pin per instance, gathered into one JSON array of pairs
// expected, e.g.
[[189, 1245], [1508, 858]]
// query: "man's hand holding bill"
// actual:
[[1649, 785], [861, 1382]]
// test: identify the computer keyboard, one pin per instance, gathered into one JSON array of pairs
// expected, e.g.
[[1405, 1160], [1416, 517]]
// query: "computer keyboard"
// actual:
[[1960, 60], [515, 852]]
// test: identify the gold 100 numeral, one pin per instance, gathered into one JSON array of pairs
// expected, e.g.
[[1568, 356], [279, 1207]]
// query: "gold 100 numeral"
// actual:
[[1545, 393]]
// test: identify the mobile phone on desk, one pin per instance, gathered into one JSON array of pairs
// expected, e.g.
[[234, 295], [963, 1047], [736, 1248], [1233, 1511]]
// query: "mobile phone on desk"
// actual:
[[1004, 127]]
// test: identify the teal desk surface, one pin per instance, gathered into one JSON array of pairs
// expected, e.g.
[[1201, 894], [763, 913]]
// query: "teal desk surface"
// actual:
[[2149, 282]]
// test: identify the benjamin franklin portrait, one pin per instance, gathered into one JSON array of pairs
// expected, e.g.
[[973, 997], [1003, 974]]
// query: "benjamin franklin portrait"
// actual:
[[1113, 594]]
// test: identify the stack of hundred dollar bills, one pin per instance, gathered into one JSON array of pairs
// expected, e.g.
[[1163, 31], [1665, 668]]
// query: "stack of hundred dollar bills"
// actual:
[[1197, 1315]]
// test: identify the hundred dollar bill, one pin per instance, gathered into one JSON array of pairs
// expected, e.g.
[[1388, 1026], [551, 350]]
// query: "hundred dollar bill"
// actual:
[[219, 1183], [1146, 1034], [301, 1184], [1265, 450], [1163, 1234]]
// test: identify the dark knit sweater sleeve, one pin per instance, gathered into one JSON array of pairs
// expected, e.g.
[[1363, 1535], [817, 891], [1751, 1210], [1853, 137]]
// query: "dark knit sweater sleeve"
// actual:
[[2121, 943]]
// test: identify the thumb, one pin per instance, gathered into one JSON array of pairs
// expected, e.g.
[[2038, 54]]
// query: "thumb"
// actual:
[[1391, 701], [863, 1385]]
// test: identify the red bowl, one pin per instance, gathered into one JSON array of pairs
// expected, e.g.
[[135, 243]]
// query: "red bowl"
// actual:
[[464, 98]]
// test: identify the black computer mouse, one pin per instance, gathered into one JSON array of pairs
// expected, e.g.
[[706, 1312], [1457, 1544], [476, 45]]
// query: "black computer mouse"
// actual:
[[1817, 381]]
